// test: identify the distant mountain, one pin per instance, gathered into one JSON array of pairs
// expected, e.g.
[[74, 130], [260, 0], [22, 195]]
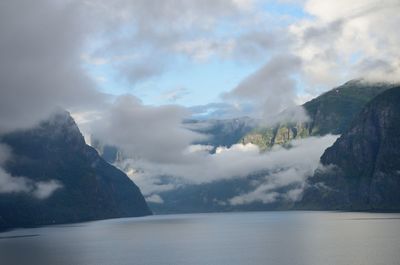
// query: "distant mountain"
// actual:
[[89, 187], [214, 196], [330, 113], [362, 168], [224, 132]]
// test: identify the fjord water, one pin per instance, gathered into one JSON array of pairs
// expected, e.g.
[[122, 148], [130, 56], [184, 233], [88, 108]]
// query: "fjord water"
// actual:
[[285, 238]]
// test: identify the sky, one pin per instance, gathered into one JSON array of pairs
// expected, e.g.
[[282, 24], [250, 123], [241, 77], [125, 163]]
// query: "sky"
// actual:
[[82, 55], [131, 71], [201, 67]]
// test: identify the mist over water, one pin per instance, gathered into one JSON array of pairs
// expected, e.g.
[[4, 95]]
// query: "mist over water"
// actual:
[[285, 238]]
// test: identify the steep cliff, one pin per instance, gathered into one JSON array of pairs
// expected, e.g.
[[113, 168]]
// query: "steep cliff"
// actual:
[[88, 188], [362, 169]]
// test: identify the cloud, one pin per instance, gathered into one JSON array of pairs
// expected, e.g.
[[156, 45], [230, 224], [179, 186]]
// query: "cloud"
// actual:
[[154, 199], [283, 166], [151, 133], [175, 94], [9, 184], [221, 110], [18, 184], [40, 61], [159, 32], [272, 89], [344, 40], [290, 178], [39, 190], [45, 189], [147, 67], [202, 49], [267, 192], [155, 36], [258, 44], [43, 46]]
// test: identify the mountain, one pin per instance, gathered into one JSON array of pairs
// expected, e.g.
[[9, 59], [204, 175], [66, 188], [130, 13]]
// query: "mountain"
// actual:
[[224, 132], [88, 188], [329, 113], [214, 197], [362, 169]]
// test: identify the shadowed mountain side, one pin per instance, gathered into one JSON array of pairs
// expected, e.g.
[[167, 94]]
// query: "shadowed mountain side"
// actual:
[[362, 168], [215, 197], [89, 187]]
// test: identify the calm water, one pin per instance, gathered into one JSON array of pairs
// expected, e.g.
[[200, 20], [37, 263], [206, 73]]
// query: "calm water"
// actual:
[[285, 238]]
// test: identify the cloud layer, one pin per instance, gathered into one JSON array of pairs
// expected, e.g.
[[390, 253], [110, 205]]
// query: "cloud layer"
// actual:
[[280, 167]]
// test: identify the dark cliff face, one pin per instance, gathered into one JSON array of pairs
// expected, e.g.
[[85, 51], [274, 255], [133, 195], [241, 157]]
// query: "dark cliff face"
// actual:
[[90, 187], [362, 168]]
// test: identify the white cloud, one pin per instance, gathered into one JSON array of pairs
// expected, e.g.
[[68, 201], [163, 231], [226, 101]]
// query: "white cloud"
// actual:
[[293, 176], [154, 199], [44, 189], [345, 40], [199, 148], [285, 166], [10, 184]]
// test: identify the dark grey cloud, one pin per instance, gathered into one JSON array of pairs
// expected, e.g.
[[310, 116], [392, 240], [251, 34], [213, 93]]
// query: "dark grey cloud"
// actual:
[[40, 45]]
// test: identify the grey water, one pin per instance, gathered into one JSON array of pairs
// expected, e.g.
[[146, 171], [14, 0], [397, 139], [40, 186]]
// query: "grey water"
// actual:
[[285, 238]]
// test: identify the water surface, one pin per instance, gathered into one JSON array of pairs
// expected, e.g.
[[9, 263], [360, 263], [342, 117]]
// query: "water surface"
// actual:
[[284, 238]]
